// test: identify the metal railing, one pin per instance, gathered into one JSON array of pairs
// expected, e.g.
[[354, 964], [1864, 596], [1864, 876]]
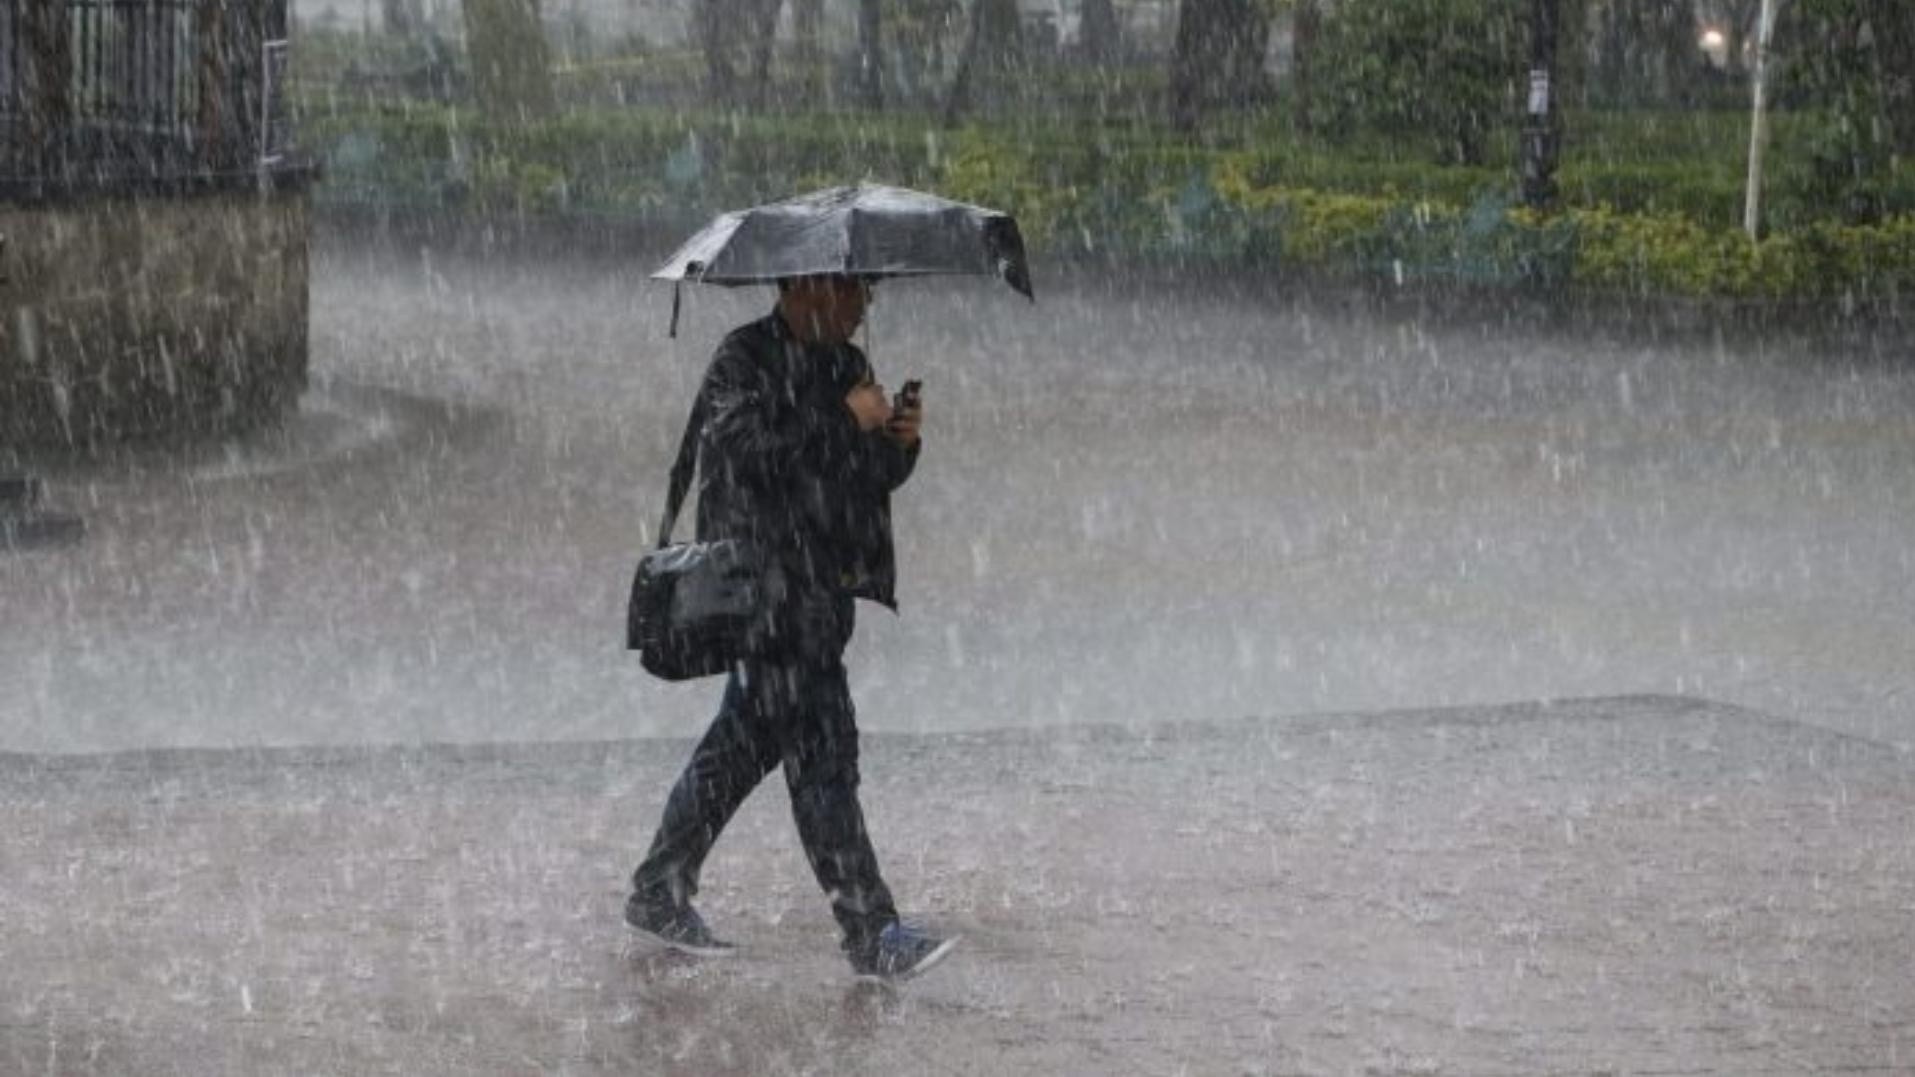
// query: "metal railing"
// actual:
[[126, 93]]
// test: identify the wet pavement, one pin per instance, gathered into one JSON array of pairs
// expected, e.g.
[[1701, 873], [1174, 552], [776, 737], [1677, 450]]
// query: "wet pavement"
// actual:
[[1188, 570], [1641, 885], [1140, 502]]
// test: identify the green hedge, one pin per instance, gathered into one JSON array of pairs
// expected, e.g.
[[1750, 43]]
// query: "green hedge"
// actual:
[[1634, 227], [627, 161], [1228, 210], [1668, 254]]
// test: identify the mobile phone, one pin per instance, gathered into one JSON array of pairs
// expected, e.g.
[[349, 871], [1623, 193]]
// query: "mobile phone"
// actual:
[[907, 397]]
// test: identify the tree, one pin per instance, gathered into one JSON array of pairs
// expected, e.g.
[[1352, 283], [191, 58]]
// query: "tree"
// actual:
[[732, 33], [918, 32], [1736, 20], [713, 24], [505, 45], [46, 75], [1440, 69], [1647, 50], [1855, 60], [807, 26], [1306, 26], [1893, 24], [1098, 35], [1218, 56], [403, 18], [216, 119], [764, 36], [993, 49], [871, 53]]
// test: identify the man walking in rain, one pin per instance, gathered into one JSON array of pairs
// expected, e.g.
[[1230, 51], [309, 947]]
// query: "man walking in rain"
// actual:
[[798, 456]]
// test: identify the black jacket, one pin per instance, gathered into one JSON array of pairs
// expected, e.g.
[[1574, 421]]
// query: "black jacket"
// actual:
[[783, 465]]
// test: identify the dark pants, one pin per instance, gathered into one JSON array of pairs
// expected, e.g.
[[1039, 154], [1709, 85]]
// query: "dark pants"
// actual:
[[797, 714]]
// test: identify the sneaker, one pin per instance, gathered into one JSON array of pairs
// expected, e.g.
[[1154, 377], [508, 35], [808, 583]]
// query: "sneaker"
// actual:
[[900, 952], [678, 928]]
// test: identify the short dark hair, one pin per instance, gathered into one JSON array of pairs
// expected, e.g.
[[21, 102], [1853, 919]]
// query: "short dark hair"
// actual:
[[785, 284]]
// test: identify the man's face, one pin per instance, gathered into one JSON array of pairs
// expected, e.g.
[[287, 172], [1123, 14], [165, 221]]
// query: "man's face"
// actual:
[[833, 307]]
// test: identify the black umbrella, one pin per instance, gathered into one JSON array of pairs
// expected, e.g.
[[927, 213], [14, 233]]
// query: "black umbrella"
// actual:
[[863, 231]]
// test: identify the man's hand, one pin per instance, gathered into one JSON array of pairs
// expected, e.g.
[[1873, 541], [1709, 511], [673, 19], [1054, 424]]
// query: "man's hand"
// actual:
[[905, 424], [869, 406]]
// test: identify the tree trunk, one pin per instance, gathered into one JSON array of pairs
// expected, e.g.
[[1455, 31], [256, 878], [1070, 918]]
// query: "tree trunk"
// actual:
[[807, 20], [959, 97], [1648, 50], [993, 48], [1303, 35], [1218, 56], [765, 37], [47, 74], [870, 53], [712, 26], [1736, 43], [215, 105], [1000, 54], [1893, 23], [403, 18], [1098, 36], [1611, 56], [505, 46], [1674, 26], [1194, 32]]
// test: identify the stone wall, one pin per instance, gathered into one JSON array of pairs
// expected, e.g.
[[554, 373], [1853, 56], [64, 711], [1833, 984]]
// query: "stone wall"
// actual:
[[164, 317]]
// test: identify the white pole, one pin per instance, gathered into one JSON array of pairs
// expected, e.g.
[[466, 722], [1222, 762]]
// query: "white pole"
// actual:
[[1759, 123]]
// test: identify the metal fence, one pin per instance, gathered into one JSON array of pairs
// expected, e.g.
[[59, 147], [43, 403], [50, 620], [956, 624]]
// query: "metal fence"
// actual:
[[118, 93]]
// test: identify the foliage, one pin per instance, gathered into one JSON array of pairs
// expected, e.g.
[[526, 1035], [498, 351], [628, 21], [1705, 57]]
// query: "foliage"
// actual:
[[1438, 69], [1708, 195], [1694, 164], [424, 66], [1487, 244], [1218, 55], [1852, 59], [1667, 254], [990, 172], [698, 161], [506, 48], [1645, 52], [1660, 228]]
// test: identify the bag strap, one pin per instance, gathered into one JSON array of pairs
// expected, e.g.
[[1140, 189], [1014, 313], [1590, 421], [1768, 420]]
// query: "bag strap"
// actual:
[[683, 468]]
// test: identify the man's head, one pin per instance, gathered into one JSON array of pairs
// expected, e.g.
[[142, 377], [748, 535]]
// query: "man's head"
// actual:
[[824, 309]]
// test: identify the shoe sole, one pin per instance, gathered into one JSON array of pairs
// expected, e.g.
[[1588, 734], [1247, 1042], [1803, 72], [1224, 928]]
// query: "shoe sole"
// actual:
[[686, 948], [943, 951]]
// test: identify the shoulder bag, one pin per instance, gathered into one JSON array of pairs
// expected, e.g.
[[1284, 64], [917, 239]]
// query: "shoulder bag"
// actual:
[[692, 602]]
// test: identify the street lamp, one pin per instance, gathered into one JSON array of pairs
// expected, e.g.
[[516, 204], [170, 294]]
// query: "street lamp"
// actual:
[[1759, 120]]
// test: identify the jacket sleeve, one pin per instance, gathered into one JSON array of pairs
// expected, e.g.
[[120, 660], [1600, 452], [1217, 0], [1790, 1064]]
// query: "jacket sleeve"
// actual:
[[879, 464], [882, 464], [762, 437]]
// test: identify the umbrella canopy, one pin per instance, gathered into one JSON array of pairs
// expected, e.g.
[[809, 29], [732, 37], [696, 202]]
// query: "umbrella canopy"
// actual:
[[864, 231]]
